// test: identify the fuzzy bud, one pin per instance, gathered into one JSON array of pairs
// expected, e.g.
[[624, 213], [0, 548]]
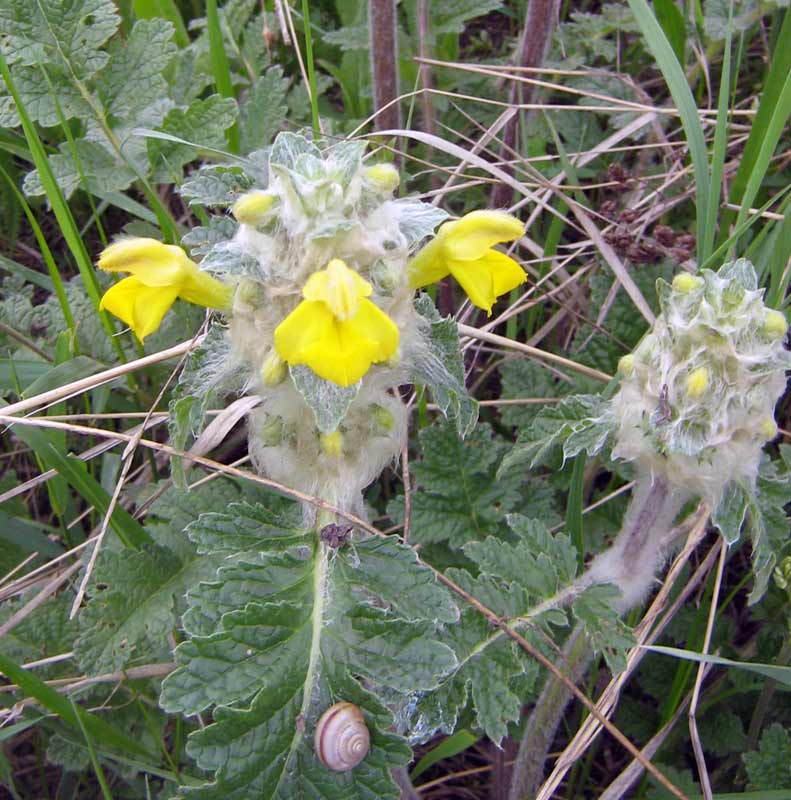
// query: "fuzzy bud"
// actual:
[[775, 325], [382, 177], [249, 292], [332, 444], [382, 418], [768, 429], [626, 364], [273, 370], [253, 208], [684, 283], [696, 383], [698, 405], [272, 432]]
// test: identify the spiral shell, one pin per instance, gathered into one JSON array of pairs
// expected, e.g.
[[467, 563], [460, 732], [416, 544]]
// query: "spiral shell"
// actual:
[[342, 738]]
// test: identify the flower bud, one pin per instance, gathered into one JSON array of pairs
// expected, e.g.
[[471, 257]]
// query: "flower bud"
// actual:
[[697, 382], [249, 292], [626, 365], [332, 444], [253, 208], [684, 283], [272, 432], [382, 177], [775, 325], [768, 429], [381, 417], [273, 370]]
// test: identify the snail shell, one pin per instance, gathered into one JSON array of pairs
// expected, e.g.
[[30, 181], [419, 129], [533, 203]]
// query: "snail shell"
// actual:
[[342, 738]]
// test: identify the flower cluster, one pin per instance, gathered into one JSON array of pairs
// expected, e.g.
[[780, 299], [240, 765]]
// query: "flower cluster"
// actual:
[[317, 280], [697, 396]]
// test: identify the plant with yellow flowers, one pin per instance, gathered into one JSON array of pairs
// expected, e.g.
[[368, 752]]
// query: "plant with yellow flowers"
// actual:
[[317, 284]]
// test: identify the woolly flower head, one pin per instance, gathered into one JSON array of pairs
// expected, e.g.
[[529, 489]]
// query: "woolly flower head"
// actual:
[[697, 396], [324, 262]]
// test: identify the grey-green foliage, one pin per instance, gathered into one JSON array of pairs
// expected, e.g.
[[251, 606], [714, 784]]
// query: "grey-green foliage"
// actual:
[[288, 626], [513, 578], [457, 496], [578, 423], [136, 596], [760, 511], [436, 362], [69, 63], [769, 767]]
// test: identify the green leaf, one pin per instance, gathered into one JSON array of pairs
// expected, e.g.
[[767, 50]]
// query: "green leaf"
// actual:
[[68, 34], [61, 374], [263, 110], [135, 598], [204, 121], [770, 766], [416, 221], [436, 361], [99, 171], [761, 512], [459, 497], [608, 634], [328, 401], [216, 186], [284, 625], [579, 422], [132, 79]]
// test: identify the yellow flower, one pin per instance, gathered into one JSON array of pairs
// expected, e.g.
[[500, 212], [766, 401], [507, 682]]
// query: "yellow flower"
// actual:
[[463, 248], [336, 330], [159, 274]]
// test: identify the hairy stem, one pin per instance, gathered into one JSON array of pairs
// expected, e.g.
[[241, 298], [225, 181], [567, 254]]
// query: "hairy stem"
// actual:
[[631, 564], [384, 62]]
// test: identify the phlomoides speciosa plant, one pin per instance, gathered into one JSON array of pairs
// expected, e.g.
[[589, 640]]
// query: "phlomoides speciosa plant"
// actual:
[[307, 627]]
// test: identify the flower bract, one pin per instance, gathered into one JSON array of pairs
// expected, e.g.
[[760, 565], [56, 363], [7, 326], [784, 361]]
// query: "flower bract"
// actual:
[[336, 330], [159, 273], [463, 248]]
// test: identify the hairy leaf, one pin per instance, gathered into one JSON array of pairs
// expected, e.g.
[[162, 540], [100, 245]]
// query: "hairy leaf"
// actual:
[[276, 637]]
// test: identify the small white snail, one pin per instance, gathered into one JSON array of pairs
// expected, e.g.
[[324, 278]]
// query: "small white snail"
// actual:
[[342, 739]]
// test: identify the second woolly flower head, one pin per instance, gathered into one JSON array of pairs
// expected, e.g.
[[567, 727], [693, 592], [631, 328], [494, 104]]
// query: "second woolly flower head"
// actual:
[[697, 395]]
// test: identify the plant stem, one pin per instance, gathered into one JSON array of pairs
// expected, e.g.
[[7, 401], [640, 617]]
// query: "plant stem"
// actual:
[[384, 63], [631, 564]]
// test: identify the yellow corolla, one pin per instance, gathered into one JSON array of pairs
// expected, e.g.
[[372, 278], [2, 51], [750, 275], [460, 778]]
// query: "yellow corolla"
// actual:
[[463, 248], [159, 273], [336, 330]]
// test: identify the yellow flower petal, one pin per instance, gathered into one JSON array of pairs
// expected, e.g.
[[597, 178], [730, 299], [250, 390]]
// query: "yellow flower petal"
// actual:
[[471, 236], [340, 351], [485, 279], [139, 306], [506, 273], [373, 324], [203, 290], [307, 323], [339, 287], [428, 265], [154, 263]]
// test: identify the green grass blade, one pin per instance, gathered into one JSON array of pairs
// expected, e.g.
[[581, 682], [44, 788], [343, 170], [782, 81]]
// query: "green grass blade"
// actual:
[[775, 85], [46, 254], [314, 101], [34, 687], [720, 146], [779, 674], [219, 65], [129, 530], [30, 275], [97, 767], [60, 208], [687, 108], [671, 19], [166, 9], [447, 748]]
